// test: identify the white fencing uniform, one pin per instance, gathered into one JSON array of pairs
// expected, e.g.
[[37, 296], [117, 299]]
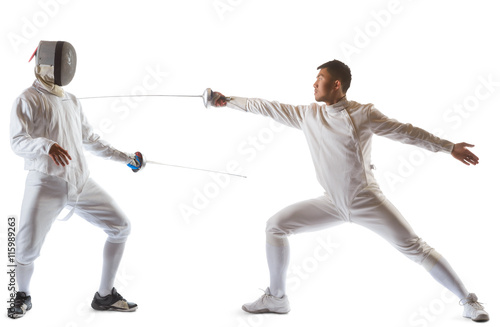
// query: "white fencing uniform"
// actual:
[[339, 139], [40, 119]]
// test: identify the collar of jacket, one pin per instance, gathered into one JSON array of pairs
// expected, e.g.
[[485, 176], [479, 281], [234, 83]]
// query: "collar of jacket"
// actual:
[[41, 87], [337, 107]]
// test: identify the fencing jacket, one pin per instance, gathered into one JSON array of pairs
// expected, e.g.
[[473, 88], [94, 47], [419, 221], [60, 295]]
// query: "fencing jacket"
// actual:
[[39, 119], [339, 138]]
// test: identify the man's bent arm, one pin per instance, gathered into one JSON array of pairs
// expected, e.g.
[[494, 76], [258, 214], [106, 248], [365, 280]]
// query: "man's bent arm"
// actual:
[[21, 124], [93, 143]]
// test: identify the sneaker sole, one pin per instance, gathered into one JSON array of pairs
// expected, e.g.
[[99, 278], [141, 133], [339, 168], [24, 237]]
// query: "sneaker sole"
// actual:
[[480, 318], [264, 311], [99, 308], [18, 315], [15, 315]]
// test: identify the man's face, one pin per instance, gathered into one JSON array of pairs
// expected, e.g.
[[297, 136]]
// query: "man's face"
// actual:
[[325, 87]]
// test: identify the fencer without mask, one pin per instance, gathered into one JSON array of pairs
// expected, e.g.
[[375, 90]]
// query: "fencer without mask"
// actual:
[[62, 56]]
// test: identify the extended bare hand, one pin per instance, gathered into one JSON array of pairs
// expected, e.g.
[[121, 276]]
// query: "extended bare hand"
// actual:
[[59, 155], [464, 155], [219, 100]]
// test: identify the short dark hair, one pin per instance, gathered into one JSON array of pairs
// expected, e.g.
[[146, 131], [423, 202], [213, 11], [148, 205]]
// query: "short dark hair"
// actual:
[[339, 71]]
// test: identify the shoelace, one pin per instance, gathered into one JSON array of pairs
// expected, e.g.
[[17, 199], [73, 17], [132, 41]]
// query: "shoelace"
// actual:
[[475, 304], [265, 295], [19, 301]]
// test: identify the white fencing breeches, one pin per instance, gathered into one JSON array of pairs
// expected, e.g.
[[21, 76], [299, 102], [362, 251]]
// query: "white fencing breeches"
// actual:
[[46, 196], [381, 218], [373, 212]]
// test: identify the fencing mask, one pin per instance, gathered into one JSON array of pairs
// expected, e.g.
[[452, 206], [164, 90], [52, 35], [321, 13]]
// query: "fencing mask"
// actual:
[[61, 56]]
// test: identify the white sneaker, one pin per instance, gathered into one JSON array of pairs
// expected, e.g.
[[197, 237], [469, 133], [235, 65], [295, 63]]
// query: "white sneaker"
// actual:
[[268, 304], [473, 309]]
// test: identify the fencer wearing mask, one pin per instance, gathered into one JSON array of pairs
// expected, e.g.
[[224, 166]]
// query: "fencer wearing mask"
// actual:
[[50, 131]]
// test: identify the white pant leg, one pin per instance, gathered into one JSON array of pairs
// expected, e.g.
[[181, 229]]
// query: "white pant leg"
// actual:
[[98, 208], [373, 211], [44, 198], [305, 216]]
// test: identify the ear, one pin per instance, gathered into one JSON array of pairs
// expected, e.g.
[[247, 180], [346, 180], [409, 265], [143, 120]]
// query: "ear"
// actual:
[[337, 84]]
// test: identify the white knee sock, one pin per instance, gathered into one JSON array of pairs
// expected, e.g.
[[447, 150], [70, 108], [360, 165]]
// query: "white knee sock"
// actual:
[[112, 256], [23, 277], [278, 257], [441, 270]]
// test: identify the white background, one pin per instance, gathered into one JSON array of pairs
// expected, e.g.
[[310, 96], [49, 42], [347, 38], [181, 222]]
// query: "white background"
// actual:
[[423, 62]]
